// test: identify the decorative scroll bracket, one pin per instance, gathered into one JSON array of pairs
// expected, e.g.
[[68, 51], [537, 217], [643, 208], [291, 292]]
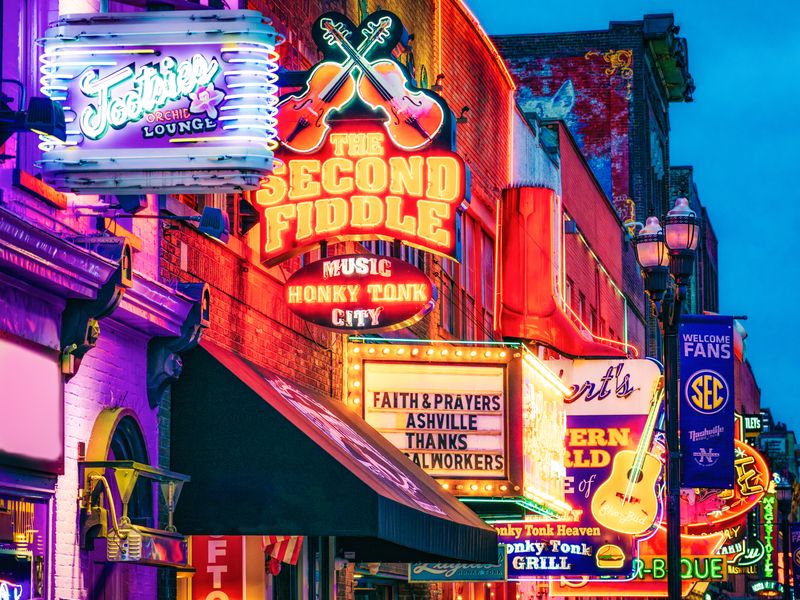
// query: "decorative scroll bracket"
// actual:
[[164, 364], [80, 327]]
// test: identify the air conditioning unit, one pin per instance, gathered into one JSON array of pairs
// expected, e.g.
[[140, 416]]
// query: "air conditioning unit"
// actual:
[[145, 546]]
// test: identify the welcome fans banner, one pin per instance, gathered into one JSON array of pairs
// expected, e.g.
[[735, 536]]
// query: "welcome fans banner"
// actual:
[[707, 401]]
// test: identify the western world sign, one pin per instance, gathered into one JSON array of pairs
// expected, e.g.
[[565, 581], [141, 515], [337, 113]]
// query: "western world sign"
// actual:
[[167, 102], [365, 155]]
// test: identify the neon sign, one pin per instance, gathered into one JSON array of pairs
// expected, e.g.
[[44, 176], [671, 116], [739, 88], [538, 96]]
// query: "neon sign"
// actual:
[[768, 506], [179, 102], [10, 591], [366, 155], [360, 293], [152, 88], [358, 188], [698, 568]]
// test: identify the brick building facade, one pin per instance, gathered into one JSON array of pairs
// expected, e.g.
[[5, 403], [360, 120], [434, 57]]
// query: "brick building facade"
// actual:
[[612, 88]]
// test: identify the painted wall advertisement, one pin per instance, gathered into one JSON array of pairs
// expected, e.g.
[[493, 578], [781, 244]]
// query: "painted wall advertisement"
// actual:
[[611, 417], [707, 401]]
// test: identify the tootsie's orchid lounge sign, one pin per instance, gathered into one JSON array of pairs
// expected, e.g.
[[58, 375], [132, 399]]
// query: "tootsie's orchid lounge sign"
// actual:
[[161, 102]]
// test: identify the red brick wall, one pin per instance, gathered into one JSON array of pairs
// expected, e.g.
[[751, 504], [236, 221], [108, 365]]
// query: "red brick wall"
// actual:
[[585, 202], [249, 314]]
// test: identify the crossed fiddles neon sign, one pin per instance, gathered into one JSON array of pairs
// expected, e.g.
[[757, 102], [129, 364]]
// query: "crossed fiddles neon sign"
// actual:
[[358, 63]]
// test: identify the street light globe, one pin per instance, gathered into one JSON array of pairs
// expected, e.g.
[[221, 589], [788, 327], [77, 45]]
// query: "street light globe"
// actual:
[[651, 251], [682, 225]]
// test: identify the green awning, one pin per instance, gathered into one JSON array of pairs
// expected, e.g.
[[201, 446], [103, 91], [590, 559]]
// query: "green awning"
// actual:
[[268, 457]]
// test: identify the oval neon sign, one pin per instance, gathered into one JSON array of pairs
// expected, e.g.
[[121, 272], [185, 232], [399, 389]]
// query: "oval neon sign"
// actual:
[[360, 293]]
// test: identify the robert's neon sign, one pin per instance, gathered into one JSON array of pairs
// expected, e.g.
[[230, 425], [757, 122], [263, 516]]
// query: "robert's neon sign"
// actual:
[[153, 86], [359, 187]]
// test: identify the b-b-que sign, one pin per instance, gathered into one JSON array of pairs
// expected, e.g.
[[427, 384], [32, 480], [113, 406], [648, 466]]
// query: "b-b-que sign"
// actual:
[[360, 293]]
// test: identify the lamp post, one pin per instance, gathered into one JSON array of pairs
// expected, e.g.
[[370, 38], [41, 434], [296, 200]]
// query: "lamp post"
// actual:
[[784, 493], [661, 254]]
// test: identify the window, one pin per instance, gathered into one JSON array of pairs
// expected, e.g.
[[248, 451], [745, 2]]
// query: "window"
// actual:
[[593, 320], [487, 285], [568, 289], [582, 307]]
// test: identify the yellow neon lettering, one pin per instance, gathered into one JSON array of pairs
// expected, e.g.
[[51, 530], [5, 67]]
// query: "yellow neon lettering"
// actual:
[[444, 174], [395, 218], [431, 215], [371, 175], [301, 181], [277, 219], [406, 175], [273, 188], [332, 180], [331, 215], [367, 211], [375, 143], [339, 141], [304, 212]]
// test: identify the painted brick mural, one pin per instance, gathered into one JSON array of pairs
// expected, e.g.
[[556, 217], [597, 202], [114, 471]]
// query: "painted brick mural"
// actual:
[[591, 93]]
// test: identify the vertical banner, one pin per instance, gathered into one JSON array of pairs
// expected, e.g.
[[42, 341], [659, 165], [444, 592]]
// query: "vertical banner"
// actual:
[[794, 548], [706, 401], [218, 561]]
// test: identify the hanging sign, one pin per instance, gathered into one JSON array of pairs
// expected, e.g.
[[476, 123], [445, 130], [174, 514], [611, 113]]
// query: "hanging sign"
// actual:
[[360, 293], [365, 154], [166, 102], [707, 401], [448, 419], [424, 572], [612, 413]]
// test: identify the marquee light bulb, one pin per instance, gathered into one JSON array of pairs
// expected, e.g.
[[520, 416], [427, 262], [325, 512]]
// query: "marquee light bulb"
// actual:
[[401, 350], [429, 352], [489, 487], [473, 354], [446, 486], [459, 353], [356, 350], [444, 352], [356, 367], [503, 354], [372, 350], [474, 487], [503, 488], [356, 383], [386, 351], [487, 354], [356, 400], [414, 351]]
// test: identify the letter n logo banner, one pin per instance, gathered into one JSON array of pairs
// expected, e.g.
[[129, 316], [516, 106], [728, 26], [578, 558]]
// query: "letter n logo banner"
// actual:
[[705, 344]]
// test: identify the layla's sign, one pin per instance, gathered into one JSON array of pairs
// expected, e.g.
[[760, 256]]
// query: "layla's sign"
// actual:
[[460, 572], [360, 293], [168, 102], [362, 151]]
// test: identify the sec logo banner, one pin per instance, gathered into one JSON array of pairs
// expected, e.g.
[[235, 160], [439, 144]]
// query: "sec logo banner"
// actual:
[[707, 392]]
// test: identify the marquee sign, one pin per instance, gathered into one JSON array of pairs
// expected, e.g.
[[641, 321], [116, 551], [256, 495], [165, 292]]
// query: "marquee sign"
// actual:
[[166, 102], [360, 293], [365, 154], [487, 421]]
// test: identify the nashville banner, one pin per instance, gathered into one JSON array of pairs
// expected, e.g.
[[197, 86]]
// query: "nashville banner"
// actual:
[[707, 401]]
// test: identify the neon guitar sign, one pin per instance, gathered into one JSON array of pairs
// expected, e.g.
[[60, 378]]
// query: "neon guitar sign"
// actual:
[[412, 118], [364, 154]]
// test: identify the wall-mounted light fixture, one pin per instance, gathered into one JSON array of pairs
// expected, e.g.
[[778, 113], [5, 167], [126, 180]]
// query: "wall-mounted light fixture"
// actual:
[[462, 116], [44, 116], [437, 86]]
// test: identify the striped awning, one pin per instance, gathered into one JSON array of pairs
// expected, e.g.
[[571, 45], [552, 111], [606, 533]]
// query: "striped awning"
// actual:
[[285, 548]]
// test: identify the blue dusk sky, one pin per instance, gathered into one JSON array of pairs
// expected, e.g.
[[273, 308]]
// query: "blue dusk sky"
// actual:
[[741, 134]]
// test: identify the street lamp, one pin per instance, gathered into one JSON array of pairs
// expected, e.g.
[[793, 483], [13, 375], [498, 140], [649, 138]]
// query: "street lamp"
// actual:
[[783, 491], [660, 254]]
